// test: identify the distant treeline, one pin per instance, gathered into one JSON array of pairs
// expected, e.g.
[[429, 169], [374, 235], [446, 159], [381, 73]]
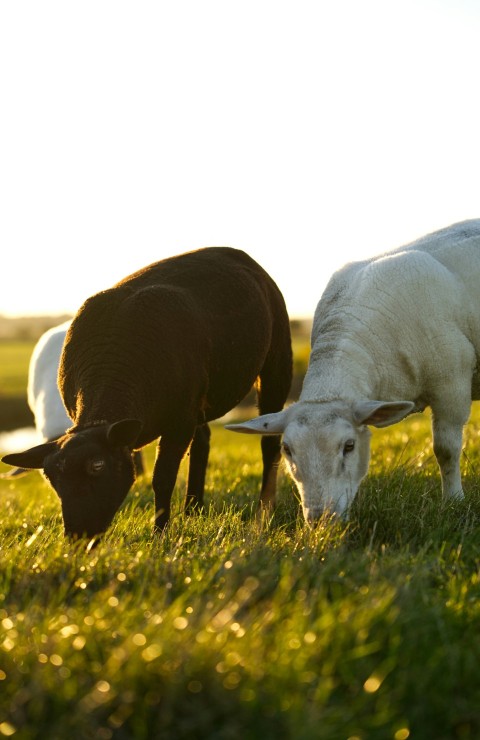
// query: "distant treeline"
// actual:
[[28, 327], [32, 327]]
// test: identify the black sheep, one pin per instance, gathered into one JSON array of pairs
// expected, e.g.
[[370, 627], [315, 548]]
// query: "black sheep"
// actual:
[[159, 355]]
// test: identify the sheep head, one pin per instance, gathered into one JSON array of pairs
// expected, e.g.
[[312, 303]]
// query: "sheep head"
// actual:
[[91, 470], [326, 447]]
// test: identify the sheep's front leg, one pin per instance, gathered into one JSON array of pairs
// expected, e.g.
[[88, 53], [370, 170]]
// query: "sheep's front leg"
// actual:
[[447, 446], [167, 463], [199, 452]]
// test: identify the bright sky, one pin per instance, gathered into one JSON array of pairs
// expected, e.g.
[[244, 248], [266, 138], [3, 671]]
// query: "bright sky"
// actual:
[[307, 133]]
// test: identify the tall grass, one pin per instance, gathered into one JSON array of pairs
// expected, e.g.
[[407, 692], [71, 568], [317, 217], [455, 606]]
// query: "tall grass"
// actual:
[[227, 627]]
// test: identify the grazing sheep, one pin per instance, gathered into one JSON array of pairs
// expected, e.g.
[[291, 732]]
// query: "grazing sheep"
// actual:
[[391, 335], [166, 350]]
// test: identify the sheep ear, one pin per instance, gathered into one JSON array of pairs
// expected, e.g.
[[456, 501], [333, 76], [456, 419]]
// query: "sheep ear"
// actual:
[[32, 458], [124, 433], [381, 413], [266, 424]]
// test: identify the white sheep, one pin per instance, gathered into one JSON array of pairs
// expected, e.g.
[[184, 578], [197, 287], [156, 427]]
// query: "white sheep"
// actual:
[[43, 396], [391, 335]]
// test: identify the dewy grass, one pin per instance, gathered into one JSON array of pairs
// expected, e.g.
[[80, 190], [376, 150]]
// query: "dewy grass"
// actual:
[[227, 626]]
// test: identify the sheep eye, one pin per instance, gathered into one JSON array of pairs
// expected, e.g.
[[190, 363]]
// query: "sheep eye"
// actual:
[[349, 446], [95, 467], [287, 450]]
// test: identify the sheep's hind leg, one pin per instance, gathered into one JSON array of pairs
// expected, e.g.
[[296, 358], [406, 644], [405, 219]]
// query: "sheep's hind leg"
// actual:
[[271, 460], [197, 470], [447, 445], [272, 392], [138, 462]]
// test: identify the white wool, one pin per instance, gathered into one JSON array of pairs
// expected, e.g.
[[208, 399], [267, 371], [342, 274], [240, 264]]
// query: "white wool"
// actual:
[[43, 395], [391, 335]]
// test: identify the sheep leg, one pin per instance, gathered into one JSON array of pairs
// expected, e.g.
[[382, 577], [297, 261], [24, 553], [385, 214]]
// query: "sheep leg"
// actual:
[[199, 452], [271, 458], [167, 463], [272, 392], [447, 432], [138, 462]]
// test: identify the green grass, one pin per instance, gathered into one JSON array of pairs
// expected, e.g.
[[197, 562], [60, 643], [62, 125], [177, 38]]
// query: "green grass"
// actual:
[[14, 360], [226, 628]]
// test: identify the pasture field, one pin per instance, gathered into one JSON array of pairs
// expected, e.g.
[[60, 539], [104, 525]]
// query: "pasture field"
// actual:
[[15, 356], [225, 627], [14, 359]]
